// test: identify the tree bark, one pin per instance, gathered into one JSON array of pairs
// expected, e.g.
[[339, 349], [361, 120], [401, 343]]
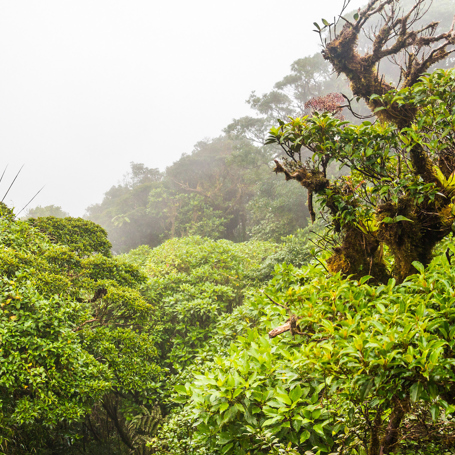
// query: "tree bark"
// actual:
[[279, 330], [392, 431]]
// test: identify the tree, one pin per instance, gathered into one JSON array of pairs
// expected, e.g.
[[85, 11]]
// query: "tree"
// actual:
[[78, 356], [310, 77], [123, 211], [48, 210], [202, 193], [420, 48], [43, 360], [223, 189], [399, 194]]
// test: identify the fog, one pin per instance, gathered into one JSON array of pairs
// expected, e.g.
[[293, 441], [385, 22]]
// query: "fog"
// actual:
[[88, 86]]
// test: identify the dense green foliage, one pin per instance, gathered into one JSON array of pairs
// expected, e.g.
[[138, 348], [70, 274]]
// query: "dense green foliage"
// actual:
[[365, 352], [83, 237], [193, 281], [47, 375], [362, 351], [75, 335], [92, 346], [229, 327]]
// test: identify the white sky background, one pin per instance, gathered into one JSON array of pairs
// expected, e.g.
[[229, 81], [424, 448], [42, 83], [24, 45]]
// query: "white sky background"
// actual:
[[86, 86]]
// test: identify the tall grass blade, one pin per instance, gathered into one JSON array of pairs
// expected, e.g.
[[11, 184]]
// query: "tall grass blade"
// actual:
[[30, 201], [12, 183]]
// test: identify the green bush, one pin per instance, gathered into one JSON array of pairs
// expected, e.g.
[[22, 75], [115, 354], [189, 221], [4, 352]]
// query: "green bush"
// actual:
[[77, 348], [84, 237], [193, 282], [46, 374], [367, 358]]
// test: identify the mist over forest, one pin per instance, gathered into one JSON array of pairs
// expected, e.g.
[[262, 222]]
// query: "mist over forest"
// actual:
[[224, 187], [285, 287]]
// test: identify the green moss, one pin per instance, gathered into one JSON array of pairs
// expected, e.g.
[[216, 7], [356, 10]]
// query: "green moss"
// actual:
[[359, 255]]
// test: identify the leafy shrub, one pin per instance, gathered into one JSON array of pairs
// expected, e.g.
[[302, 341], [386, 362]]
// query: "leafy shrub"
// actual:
[[193, 282], [47, 375], [77, 348], [82, 236], [368, 360]]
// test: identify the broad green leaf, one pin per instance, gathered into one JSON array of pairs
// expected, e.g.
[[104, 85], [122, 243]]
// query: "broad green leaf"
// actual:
[[364, 279], [283, 398], [224, 406], [434, 410], [318, 429], [304, 436], [416, 391], [273, 420], [418, 266], [227, 448], [296, 393]]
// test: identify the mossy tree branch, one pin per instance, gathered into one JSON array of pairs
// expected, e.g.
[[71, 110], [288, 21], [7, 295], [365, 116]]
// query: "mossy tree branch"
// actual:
[[394, 37], [401, 191]]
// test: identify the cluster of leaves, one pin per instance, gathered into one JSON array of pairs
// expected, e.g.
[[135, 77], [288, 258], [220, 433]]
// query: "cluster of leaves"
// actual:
[[312, 78], [364, 355], [81, 237], [74, 336], [193, 282]]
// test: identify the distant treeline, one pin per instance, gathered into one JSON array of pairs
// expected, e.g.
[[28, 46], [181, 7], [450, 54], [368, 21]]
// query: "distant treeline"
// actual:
[[225, 188]]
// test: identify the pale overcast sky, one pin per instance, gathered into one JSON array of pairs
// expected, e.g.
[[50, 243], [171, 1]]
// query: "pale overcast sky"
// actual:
[[86, 86]]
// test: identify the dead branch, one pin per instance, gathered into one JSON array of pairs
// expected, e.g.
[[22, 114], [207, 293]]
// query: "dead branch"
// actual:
[[276, 303], [279, 330], [291, 325]]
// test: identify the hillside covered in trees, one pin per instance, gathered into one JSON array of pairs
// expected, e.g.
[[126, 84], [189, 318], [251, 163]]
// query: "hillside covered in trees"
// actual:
[[225, 188], [219, 307]]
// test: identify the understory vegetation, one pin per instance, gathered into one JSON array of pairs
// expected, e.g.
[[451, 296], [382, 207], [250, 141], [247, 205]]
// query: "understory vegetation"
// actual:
[[219, 308]]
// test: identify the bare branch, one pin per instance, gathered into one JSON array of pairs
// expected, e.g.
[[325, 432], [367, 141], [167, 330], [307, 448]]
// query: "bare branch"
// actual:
[[276, 303], [394, 37], [279, 330]]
